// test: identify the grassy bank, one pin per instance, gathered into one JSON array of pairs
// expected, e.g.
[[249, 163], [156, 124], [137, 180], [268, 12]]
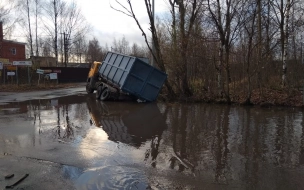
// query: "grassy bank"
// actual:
[[263, 97]]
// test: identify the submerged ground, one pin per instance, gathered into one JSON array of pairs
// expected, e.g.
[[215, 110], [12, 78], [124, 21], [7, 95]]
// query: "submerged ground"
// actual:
[[65, 139]]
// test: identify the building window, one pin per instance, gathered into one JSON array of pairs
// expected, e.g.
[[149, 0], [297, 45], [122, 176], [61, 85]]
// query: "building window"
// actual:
[[14, 51]]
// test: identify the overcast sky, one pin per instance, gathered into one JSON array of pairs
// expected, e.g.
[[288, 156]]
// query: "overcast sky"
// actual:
[[108, 24]]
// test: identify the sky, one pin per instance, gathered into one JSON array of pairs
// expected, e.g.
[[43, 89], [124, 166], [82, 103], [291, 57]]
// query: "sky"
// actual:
[[108, 24]]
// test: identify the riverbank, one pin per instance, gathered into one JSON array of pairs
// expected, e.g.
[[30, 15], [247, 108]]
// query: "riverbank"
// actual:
[[275, 97], [263, 97]]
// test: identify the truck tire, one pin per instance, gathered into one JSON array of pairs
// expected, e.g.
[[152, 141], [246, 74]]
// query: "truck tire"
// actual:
[[105, 93], [89, 88], [98, 92]]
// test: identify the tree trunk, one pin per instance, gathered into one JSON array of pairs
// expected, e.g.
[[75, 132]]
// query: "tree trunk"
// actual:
[[285, 44], [36, 15], [56, 32], [259, 76], [219, 69], [228, 77], [29, 25]]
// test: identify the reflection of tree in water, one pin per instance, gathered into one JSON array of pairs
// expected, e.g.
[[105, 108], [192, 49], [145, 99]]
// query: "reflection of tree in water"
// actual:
[[50, 118], [36, 108], [153, 151], [228, 143], [284, 136], [81, 111], [179, 156], [69, 132], [251, 147], [58, 121], [37, 115], [192, 135], [68, 127], [220, 146], [199, 137], [301, 156]]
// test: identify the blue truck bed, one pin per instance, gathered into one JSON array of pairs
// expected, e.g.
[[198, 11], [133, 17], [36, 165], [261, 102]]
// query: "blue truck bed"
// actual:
[[132, 75]]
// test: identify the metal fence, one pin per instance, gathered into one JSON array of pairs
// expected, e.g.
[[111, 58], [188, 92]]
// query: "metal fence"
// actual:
[[26, 75]]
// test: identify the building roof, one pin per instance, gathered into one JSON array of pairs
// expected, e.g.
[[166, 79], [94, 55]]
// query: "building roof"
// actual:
[[15, 42]]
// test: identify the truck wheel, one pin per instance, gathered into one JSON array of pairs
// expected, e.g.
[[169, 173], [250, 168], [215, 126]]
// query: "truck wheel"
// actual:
[[98, 92], [105, 94], [89, 89]]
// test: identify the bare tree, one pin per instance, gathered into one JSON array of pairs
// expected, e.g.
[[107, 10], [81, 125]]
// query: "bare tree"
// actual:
[[25, 22], [74, 25], [31, 11], [173, 47], [94, 52], [135, 50], [29, 27], [79, 48], [282, 11], [157, 54], [37, 12], [185, 30], [64, 19], [54, 9], [46, 48], [121, 46], [224, 16], [138, 51], [286, 34], [250, 30], [7, 17]]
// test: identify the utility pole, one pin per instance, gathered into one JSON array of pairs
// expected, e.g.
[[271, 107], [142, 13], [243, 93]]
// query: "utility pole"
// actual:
[[61, 44], [64, 47], [153, 12]]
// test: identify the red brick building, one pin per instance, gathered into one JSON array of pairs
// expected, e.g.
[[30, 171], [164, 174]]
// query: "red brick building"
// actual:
[[12, 50]]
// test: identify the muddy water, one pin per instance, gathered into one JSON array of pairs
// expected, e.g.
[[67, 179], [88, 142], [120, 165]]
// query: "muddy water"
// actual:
[[123, 145]]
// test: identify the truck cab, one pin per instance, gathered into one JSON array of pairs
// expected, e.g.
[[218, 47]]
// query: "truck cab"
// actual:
[[92, 77]]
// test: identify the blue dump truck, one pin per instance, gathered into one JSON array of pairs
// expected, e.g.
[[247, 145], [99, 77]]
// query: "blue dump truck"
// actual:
[[121, 76]]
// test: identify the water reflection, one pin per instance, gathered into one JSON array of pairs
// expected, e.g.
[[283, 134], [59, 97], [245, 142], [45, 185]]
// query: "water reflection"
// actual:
[[129, 123], [112, 177], [234, 144], [239, 147]]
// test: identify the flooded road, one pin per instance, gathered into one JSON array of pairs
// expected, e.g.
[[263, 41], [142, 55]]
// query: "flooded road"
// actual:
[[76, 142]]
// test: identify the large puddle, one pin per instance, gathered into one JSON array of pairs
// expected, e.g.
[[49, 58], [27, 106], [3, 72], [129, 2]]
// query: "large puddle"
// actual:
[[129, 145]]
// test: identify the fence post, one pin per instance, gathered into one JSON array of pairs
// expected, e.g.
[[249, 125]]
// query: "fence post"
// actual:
[[39, 79], [17, 75], [28, 74], [4, 74]]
